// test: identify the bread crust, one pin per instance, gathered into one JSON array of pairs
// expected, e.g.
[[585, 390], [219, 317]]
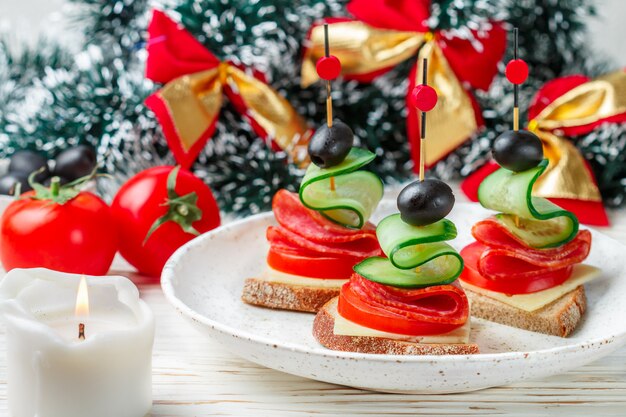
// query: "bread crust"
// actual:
[[286, 296], [324, 324], [559, 318]]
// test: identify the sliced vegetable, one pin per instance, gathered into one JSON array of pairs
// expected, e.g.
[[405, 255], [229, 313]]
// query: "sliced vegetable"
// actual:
[[509, 284], [544, 223], [405, 244], [310, 265], [433, 310], [439, 264], [351, 197]]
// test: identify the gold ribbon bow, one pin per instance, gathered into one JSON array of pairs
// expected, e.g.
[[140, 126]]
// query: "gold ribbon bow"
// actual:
[[363, 49], [567, 175], [194, 102]]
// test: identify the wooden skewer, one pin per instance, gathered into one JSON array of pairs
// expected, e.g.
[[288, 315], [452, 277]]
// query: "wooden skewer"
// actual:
[[423, 132], [329, 98], [515, 106], [515, 89]]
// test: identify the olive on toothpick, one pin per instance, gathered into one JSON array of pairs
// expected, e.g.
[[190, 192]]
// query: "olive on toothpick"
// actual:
[[330, 145], [517, 150], [425, 202]]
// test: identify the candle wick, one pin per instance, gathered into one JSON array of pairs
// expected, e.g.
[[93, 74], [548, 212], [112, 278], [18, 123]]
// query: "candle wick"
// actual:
[[81, 331]]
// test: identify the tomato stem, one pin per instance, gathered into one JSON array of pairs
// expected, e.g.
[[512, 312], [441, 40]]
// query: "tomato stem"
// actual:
[[55, 185]]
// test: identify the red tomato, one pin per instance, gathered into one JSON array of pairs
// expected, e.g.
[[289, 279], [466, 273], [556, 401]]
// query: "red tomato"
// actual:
[[352, 307], [471, 253], [310, 265], [78, 236], [142, 200]]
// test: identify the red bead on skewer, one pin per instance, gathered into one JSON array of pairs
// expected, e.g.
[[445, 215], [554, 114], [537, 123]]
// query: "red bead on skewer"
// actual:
[[516, 71], [424, 97], [328, 67]]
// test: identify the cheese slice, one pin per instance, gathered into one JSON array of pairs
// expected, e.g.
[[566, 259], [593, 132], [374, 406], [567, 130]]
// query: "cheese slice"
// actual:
[[347, 327], [581, 274], [273, 275]]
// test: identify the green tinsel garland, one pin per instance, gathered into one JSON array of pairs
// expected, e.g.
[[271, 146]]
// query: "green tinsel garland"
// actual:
[[50, 100]]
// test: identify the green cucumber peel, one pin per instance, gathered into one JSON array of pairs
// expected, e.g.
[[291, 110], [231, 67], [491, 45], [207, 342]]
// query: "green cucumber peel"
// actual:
[[438, 264], [511, 193], [356, 193], [404, 244]]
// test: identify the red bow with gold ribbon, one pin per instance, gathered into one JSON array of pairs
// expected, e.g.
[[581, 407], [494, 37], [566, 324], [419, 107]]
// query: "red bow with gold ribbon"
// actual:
[[196, 82], [386, 33], [565, 107]]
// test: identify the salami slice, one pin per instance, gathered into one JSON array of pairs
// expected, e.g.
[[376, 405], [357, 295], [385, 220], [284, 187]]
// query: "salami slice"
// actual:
[[432, 310], [311, 225]]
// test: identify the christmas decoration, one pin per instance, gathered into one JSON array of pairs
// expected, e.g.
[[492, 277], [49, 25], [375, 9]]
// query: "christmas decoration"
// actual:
[[565, 107], [188, 106], [386, 34], [52, 99]]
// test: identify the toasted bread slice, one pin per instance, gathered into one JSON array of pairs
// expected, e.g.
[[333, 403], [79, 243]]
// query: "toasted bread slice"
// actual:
[[559, 318], [286, 296], [324, 324]]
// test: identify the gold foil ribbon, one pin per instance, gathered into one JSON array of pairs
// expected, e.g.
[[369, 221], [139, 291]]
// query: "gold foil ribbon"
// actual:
[[194, 102], [363, 49], [567, 175]]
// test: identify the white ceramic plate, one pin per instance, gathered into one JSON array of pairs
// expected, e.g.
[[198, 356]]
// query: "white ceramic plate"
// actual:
[[204, 279]]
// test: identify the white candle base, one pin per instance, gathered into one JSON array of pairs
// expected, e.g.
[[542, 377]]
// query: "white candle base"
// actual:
[[51, 372]]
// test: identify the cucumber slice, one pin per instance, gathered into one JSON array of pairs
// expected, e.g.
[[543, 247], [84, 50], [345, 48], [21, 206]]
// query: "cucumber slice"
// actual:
[[404, 244], [356, 193], [440, 264], [542, 223]]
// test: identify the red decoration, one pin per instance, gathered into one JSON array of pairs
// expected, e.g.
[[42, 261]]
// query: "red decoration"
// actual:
[[588, 212], [424, 97], [173, 53], [516, 71], [474, 68], [328, 67]]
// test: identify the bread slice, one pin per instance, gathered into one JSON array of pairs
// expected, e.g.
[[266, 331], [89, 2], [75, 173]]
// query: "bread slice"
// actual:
[[286, 296], [324, 324], [559, 318]]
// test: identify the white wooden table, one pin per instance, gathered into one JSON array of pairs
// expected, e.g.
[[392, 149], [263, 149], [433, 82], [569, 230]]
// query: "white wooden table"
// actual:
[[194, 376]]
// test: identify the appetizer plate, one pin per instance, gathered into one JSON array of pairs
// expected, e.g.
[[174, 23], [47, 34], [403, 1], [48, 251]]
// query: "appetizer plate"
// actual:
[[204, 280]]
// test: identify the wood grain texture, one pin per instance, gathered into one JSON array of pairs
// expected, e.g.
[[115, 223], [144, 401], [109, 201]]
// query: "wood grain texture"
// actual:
[[194, 376]]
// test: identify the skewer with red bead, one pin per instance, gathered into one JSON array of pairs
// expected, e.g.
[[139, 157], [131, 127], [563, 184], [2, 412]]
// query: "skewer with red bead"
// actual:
[[331, 143], [424, 98]]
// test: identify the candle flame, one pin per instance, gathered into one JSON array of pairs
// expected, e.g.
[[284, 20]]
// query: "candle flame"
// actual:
[[82, 299]]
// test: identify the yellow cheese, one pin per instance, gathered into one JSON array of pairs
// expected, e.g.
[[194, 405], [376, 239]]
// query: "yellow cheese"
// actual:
[[273, 275], [534, 301], [346, 327]]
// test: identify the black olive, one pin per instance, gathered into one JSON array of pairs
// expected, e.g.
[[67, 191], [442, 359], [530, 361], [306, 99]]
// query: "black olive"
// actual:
[[9, 181], [329, 146], [518, 150], [27, 162], [425, 202], [76, 162]]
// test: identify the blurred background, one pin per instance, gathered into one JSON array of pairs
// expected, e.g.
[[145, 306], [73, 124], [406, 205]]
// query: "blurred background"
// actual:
[[27, 19]]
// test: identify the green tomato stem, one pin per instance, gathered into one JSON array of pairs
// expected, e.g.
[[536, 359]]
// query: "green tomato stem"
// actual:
[[55, 185]]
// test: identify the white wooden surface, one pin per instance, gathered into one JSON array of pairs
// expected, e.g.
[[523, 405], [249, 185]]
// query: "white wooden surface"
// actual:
[[193, 376]]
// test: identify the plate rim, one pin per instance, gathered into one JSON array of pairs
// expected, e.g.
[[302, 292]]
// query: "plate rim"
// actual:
[[168, 276]]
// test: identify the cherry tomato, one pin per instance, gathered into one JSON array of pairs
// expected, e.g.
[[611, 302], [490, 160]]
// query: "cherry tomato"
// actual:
[[472, 253], [310, 265], [353, 308], [143, 200], [78, 236]]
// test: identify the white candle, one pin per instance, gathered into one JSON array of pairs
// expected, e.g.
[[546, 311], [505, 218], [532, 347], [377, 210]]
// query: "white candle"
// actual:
[[54, 373]]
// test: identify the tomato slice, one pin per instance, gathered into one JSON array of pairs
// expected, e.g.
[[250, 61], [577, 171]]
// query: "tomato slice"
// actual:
[[427, 311], [310, 265], [516, 283]]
